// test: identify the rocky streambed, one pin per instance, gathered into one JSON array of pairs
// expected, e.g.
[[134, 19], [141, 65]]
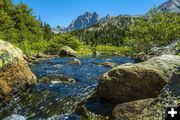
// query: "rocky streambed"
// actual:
[[61, 87], [89, 88]]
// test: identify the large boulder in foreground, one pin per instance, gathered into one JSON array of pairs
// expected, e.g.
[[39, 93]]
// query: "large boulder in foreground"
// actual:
[[15, 74], [67, 52], [170, 95], [132, 82], [151, 109], [130, 110]]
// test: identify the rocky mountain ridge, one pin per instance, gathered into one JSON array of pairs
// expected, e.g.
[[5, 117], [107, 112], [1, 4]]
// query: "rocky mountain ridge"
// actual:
[[88, 19], [172, 6], [83, 21]]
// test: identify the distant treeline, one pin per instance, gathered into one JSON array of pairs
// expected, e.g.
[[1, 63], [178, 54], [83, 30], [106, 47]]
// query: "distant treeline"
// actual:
[[140, 33], [19, 26]]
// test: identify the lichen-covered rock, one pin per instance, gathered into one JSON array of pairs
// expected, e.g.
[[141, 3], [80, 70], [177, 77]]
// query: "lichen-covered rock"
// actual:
[[15, 74], [170, 95], [137, 81], [130, 110], [67, 52]]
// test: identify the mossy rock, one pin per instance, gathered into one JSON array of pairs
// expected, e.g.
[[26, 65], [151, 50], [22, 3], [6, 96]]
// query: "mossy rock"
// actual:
[[5, 58], [67, 52], [15, 74]]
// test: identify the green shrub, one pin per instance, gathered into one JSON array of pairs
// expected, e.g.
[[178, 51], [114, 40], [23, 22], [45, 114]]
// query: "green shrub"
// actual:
[[61, 40], [67, 40], [53, 48], [159, 30]]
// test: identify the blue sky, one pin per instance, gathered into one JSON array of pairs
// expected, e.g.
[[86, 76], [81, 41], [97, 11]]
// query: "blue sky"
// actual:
[[62, 12]]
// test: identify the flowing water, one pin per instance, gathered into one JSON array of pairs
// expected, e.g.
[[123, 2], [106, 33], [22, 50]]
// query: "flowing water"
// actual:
[[58, 101]]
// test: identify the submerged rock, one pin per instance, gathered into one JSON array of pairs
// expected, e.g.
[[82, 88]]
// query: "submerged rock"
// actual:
[[75, 62], [67, 52], [137, 81], [15, 74], [130, 110], [57, 78]]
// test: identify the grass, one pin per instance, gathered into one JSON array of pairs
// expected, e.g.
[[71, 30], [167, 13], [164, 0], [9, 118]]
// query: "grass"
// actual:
[[84, 50], [113, 49], [104, 49]]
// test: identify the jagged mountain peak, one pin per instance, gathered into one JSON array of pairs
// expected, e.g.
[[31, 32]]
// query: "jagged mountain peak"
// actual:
[[172, 6], [104, 19], [85, 20]]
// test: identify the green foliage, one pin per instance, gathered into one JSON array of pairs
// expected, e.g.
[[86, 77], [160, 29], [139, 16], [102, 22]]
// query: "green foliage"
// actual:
[[113, 49], [67, 39], [120, 34], [35, 47], [111, 32], [61, 40], [39, 46], [53, 48], [48, 34], [84, 50], [20, 27], [160, 30], [139, 33], [104, 49]]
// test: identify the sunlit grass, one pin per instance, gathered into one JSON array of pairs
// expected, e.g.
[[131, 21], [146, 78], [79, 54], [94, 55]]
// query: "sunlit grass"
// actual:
[[113, 49], [104, 49], [84, 50]]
